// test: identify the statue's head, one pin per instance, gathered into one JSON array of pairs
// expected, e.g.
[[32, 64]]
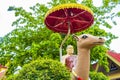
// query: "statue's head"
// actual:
[[70, 49], [88, 41]]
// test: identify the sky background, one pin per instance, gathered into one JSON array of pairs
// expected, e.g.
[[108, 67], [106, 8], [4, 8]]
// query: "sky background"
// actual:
[[7, 17]]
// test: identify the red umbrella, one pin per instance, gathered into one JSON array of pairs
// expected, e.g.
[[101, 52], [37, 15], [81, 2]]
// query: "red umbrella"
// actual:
[[69, 18], [77, 16]]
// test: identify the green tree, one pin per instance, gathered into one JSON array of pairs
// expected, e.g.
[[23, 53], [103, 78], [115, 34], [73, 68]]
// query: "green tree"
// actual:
[[42, 69], [98, 76], [31, 39]]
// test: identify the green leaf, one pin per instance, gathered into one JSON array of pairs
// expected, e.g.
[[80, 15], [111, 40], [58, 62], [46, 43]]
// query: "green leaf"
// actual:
[[118, 14]]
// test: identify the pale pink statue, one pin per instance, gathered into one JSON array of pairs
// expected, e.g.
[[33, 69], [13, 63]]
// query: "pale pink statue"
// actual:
[[84, 43], [3, 70], [69, 59]]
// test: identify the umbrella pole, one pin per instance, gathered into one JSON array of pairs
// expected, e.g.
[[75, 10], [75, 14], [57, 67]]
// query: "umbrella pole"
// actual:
[[64, 41]]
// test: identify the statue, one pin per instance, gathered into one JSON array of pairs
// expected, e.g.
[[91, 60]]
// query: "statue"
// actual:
[[84, 43], [69, 59], [3, 70]]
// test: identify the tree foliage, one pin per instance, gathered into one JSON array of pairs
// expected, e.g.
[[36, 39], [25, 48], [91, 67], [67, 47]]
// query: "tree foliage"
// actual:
[[98, 76], [42, 69], [31, 39]]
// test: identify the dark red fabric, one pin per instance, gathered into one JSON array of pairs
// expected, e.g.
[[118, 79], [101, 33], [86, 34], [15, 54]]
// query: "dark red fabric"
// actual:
[[1, 66], [70, 61], [79, 78], [77, 19]]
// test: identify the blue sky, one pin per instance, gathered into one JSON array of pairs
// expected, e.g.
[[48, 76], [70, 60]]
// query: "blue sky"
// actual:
[[7, 17]]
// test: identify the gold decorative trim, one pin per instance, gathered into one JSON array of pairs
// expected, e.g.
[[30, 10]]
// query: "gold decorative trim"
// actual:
[[114, 76], [114, 60], [70, 5]]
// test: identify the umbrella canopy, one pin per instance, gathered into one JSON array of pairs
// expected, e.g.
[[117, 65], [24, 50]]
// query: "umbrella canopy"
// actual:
[[76, 16]]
